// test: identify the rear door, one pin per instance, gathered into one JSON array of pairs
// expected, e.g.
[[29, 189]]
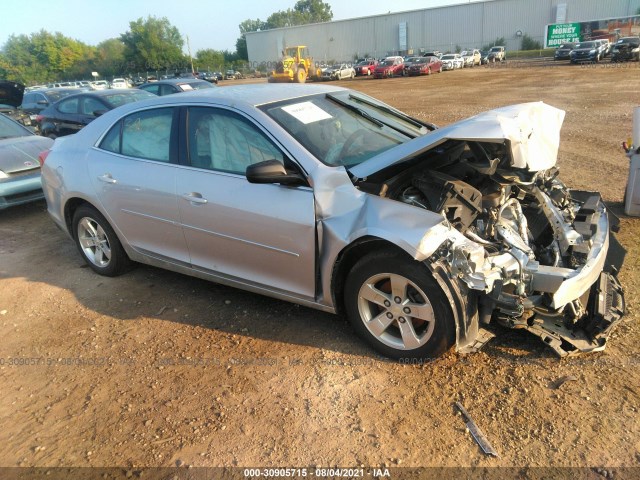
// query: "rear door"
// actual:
[[260, 234], [134, 174]]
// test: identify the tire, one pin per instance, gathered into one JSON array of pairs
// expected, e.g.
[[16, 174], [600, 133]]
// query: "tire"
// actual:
[[300, 76], [98, 243], [384, 321]]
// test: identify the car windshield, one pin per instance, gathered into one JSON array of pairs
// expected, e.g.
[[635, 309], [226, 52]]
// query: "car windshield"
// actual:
[[629, 40], [448, 57], [421, 60], [196, 85], [566, 45], [586, 45], [344, 128], [496, 49], [388, 63], [117, 99], [11, 129]]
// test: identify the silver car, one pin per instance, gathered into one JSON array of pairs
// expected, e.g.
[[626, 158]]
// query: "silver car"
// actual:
[[326, 197]]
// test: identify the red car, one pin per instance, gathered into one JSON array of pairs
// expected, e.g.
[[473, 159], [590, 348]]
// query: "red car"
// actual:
[[389, 67], [425, 66], [365, 67]]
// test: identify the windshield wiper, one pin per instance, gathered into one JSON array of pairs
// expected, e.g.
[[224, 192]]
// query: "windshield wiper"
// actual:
[[413, 121], [355, 109], [364, 114]]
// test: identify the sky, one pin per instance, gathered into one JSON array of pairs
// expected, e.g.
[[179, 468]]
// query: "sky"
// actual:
[[207, 23]]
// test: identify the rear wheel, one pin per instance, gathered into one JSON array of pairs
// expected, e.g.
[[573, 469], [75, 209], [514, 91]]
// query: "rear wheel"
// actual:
[[394, 303], [98, 243]]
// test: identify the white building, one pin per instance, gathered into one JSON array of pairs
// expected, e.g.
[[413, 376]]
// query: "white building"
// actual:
[[468, 25]]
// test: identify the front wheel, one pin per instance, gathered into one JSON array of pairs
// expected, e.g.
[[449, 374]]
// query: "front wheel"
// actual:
[[395, 304], [98, 243]]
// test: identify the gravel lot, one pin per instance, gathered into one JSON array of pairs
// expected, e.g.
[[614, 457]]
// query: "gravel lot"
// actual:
[[154, 368]]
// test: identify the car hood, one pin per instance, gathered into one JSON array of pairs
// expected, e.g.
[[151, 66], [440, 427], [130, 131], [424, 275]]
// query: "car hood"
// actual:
[[21, 153], [531, 130], [11, 93]]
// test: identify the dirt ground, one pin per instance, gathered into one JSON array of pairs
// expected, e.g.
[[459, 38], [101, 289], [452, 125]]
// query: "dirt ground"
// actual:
[[154, 368]]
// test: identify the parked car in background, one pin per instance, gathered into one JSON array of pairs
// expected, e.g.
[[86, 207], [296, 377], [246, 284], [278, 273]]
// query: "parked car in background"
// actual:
[[74, 112], [175, 85], [119, 83], [626, 49], [452, 61], [389, 67], [497, 54], [484, 57], [339, 72], [208, 76], [19, 165], [365, 67], [606, 47], [99, 85], [36, 101], [563, 52], [408, 61], [434, 53], [586, 52], [471, 57], [425, 66], [329, 198]]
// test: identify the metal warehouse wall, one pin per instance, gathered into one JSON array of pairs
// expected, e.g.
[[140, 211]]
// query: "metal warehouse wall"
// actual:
[[443, 28]]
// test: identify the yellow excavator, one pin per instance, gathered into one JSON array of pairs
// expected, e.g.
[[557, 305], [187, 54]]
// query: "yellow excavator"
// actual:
[[295, 66]]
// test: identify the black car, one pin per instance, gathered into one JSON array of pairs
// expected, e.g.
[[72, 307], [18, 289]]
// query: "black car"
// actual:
[[70, 114], [586, 52], [626, 49], [36, 101], [174, 85], [11, 94], [563, 52]]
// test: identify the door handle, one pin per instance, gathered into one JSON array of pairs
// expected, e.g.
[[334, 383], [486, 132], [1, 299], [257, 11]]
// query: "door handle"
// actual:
[[107, 178], [194, 197]]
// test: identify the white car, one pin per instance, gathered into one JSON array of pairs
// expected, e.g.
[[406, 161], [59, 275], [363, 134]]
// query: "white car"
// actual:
[[100, 85], [119, 83], [471, 58], [452, 61]]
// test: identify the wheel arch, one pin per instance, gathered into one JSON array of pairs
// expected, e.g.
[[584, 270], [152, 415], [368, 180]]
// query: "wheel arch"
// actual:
[[347, 258], [463, 303]]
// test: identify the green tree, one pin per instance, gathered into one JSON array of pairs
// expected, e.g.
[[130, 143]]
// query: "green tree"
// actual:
[[109, 58], [303, 12], [209, 59], [528, 43], [153, 44], [313, 11]]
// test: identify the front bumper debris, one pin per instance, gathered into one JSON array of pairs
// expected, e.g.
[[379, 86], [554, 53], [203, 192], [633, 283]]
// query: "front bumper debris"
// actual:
[[590, 333]]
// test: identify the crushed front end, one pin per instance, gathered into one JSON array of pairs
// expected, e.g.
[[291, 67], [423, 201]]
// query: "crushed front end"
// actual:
[[537, 251], [521, 248]]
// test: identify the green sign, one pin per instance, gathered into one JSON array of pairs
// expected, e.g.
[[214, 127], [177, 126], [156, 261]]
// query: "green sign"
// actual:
[[560, 33]]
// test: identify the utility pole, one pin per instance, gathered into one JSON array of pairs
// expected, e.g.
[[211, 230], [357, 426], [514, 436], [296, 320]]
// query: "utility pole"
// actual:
[[190, 57]]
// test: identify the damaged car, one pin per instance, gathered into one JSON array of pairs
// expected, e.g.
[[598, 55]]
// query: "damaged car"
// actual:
[[331, 199]]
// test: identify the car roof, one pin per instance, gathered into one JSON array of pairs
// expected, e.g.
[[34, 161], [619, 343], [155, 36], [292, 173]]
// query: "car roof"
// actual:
[[178, 81], [105, 93], [242, 97]]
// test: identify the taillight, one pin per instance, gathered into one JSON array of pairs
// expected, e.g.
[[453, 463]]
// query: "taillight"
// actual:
[[39, 118], [42, 156]]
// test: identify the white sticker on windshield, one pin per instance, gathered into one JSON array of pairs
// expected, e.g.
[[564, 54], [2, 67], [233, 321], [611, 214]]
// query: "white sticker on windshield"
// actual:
[[306, 112]]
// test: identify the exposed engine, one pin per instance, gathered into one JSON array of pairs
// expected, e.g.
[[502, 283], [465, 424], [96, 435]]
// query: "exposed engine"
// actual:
[[527, 233]]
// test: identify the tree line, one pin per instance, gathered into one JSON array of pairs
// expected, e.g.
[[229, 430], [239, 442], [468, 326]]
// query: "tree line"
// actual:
[[150, 45]]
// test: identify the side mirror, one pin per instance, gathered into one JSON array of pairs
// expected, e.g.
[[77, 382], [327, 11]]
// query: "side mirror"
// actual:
[[272, 171]]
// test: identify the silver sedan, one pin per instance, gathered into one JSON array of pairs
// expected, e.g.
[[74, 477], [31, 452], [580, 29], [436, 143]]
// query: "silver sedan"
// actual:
[[326, 197]]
